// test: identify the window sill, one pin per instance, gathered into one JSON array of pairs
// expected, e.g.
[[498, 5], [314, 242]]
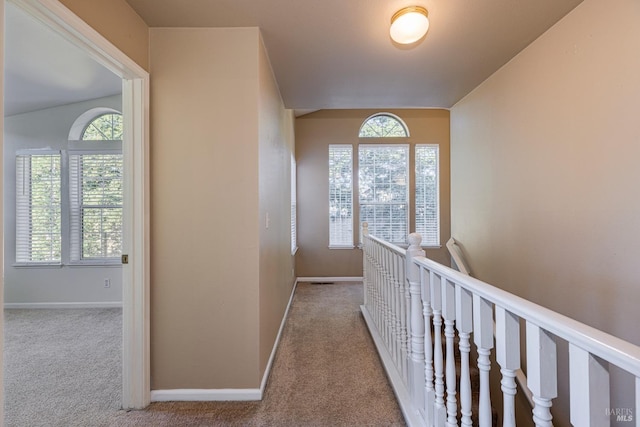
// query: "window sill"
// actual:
[[37, 265], [99, 264], [90, 264], [342, 247]]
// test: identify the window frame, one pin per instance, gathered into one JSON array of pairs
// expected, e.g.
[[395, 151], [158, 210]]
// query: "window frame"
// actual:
[[426, 243], [407, 151], [401, 122], [294, 206], [342, 244], [76, 238], [23, 224]]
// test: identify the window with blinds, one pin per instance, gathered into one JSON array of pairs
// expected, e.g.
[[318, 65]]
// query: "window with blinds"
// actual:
[[340, 196], [427, 194], [38, 209], [383, 190], [95, 190], [294, 220]]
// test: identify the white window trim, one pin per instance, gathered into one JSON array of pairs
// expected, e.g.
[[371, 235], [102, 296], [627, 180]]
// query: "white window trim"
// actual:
[[408, 187], [75, 241], [294, 206], [353, 214], [38, 264], [438, 225], [393, 116]]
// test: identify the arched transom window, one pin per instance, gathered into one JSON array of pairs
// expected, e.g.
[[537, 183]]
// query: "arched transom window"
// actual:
[[106, 127], [383, 125]]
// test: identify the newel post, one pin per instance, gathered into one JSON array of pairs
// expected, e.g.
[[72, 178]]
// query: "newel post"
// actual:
[[416, 349]]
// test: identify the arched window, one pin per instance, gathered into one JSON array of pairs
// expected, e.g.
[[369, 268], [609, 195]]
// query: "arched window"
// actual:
[[105, 127], [383, 125], [95, 184]]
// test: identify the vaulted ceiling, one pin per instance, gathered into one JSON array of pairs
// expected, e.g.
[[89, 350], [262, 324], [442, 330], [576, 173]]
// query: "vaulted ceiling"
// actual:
[[325, 54]]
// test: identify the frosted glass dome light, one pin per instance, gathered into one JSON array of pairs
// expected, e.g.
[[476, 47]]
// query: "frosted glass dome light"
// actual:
[[408, 25]]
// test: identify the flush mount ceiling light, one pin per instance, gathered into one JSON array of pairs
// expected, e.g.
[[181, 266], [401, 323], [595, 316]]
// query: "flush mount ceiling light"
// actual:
[[408, 25]]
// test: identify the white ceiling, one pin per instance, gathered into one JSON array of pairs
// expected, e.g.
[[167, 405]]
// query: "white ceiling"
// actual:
[[325, 53], [338, 54], [43, 70]]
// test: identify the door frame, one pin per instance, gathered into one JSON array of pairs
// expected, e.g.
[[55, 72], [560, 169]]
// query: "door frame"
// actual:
[[136, 385]]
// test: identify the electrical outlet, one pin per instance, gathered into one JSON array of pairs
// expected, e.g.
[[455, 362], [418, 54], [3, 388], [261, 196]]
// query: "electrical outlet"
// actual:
[[107, 283]]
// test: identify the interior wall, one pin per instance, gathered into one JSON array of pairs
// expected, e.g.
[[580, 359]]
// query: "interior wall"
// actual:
[[314, 133], [204, 207], [117, 22], [276, 144], [49, 128], [545, 171]]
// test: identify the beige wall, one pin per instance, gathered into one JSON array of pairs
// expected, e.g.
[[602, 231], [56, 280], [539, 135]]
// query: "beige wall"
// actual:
[[204, 207], [276, 143], [545, 171], [118, 23], [314, 133]]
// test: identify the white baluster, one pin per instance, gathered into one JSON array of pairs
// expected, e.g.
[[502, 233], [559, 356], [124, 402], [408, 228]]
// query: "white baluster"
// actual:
[[404, 323], [483, 337], [449, 314], [589, 388], [416, 372], [508, 357], [398, 265], [542, 375], [438, 370], [365, 262], [425, 279], [464, 324], [394, 310], [387, 299]]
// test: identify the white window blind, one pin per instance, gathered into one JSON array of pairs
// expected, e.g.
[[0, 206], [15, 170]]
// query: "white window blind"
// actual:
[[95, 187], [38, 208], [340, 196], [383, 190], [294, 225], [427, 194]]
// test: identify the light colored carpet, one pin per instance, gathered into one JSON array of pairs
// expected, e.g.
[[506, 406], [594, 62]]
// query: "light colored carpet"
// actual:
[[62, 367], [326, 373]]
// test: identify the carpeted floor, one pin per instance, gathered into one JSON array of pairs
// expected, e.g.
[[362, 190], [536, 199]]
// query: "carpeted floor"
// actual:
[[62, 367], [326, 373]]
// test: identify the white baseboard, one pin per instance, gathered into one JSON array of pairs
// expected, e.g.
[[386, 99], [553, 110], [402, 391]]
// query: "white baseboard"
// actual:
[[242, 394], [48, 305], [206, 395], [329, 279]]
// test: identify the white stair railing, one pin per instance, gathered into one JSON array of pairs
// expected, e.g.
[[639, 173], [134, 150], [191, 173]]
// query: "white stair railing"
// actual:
[[407, 294]]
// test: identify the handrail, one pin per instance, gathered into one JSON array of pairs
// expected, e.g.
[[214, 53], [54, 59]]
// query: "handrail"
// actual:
[[390, 246], [613, 349], [419, 312], [461, 263], [458, 258]]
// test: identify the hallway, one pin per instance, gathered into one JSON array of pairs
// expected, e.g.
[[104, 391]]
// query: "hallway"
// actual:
[[326, 373]]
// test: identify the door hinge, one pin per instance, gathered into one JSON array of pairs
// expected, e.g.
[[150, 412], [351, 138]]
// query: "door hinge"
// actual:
[[125, 259]]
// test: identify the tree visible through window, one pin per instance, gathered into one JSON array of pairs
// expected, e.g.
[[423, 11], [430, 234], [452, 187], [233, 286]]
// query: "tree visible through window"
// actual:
[[107, 127], [95, 186], [38, 208], [340, 196], [383, 125], [383, 190], [427, 195]]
